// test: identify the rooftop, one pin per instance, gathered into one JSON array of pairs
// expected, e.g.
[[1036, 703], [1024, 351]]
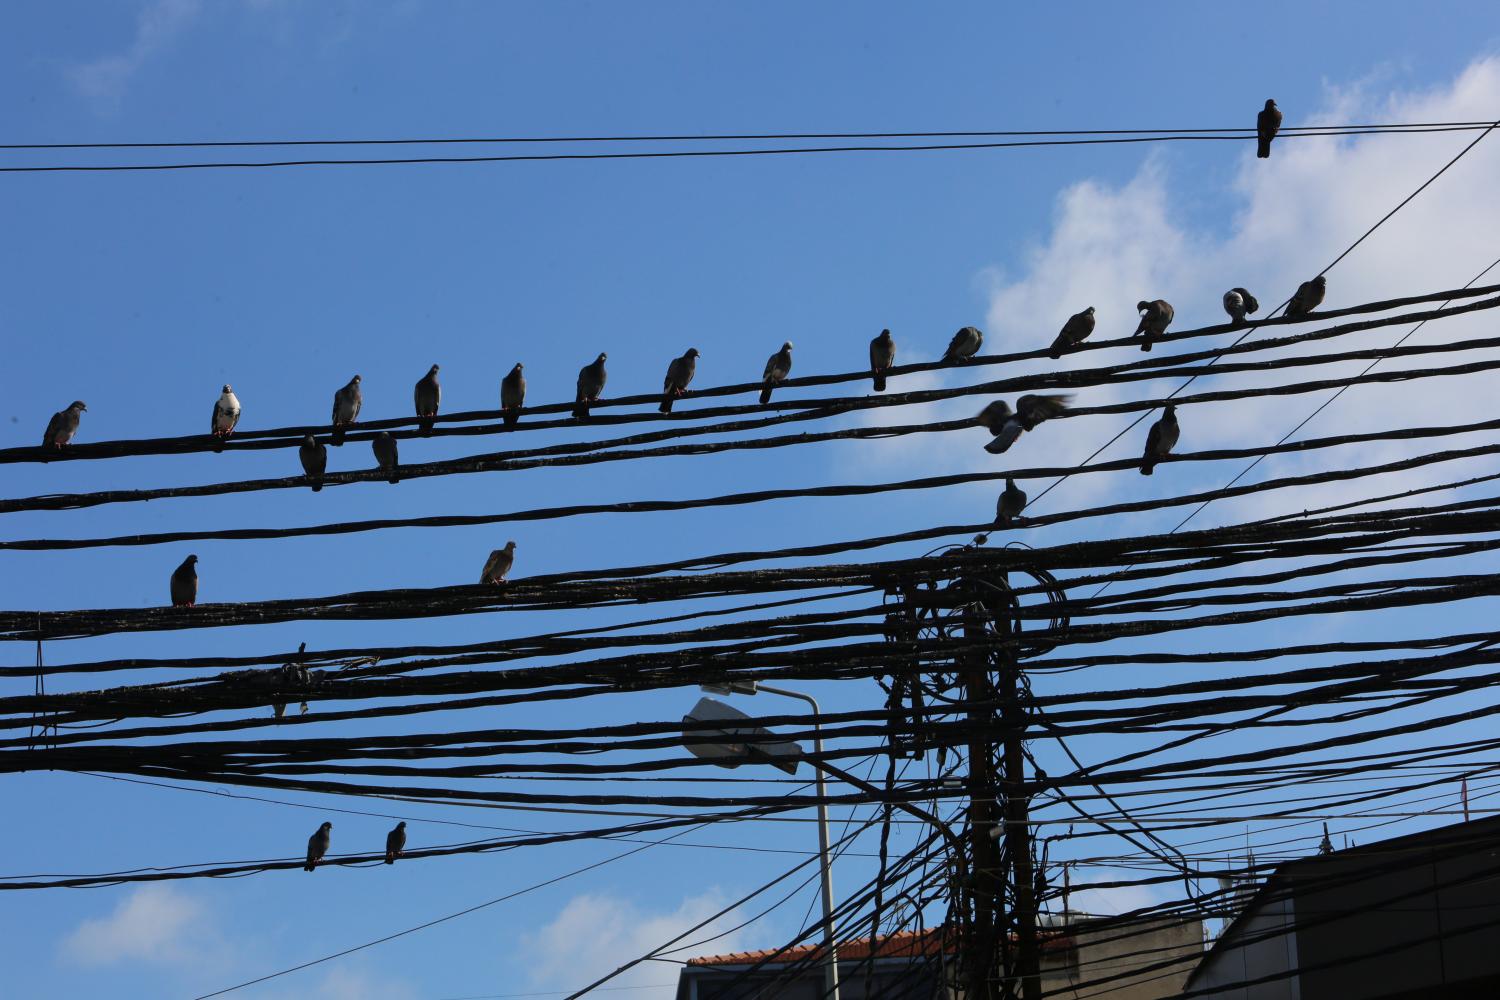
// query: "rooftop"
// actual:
[[902, 944]]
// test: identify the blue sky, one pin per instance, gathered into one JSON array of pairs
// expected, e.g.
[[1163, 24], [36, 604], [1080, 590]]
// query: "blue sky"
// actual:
[[142, 293]]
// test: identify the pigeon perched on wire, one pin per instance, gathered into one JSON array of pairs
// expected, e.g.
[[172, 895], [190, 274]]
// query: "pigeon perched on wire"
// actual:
[[427, 396], [291, 673], [778, 367], [1156, 316], [346, 404], [1007, 424], [387, 455], [498, 564], [1074, 332], [1012, 501], [226, 416], [591, 379], [679, 375], [1309, 296], [317, 846], [1239, 303], [63, 426], [513, 395], [185, 583], [1267, 124], [1160, 440], [882, 357], [964, 345], [395, 842], [314, 456]]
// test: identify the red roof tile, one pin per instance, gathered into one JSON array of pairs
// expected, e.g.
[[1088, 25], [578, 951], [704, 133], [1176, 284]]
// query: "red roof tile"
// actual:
[[902, 944]]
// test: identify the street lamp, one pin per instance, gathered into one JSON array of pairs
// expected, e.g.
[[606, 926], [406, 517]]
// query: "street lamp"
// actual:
[[723, 749]]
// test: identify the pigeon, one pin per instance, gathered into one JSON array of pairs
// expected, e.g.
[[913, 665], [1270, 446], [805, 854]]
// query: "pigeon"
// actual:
[[317, 846], [498, 564], [882, 356], [513, 395], [226, 416], [1007, 424], [964, 345], [426, 397], [778, 367], [314, 455], [63, 425], [1156, 316], [1309, 296], [294, 673], [1012, 502], [1267, 124], [395, 842], [387, 455], [1239, 303], [590, 384], [679, 374], [185, 583], [1074, 332], [346, 404], [1161, 440]]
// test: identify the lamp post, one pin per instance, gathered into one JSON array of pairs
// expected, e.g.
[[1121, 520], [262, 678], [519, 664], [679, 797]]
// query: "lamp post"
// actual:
[[830, 946]]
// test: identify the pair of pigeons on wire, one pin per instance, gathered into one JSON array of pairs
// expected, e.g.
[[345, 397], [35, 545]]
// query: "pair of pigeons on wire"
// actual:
[[1160, 440], [318, 844], [183, 585]]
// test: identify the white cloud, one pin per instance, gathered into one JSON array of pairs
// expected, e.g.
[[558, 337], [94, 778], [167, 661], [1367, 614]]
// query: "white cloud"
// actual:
[[105, 79], [343, 983], [595, 934], [1111, 245], [155, 923]]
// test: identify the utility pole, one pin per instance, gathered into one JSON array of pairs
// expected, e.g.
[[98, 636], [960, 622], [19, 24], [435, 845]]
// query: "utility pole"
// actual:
[[1018, 828], [986, 883], [998, 603]]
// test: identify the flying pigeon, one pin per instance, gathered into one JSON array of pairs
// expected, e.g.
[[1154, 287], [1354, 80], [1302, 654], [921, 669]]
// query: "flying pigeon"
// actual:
[[62, 426], [778, 367], [1007, 424], [185, 583], [1309, 296], [314, 455], [1074, 332], [395, 842], [882, 356], [513, 395], [386, 454], [346, 404], [964, 345], [1161, 439], [226, 416], [590, 384], [426, 397], [1267, 124], [679, 375], [1012, 502], [1156, 316], [1239, 303], [498, 564], [317, 846]]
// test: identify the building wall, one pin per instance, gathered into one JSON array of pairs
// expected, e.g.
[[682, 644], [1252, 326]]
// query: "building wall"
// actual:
[[1117, 960], [1235, 963]]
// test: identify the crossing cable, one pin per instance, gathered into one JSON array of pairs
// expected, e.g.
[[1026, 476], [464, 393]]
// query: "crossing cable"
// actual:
[[723, 137], [711, 153]]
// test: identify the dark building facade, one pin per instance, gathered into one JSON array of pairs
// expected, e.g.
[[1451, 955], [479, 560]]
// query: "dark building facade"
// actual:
[[1415, 916]]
